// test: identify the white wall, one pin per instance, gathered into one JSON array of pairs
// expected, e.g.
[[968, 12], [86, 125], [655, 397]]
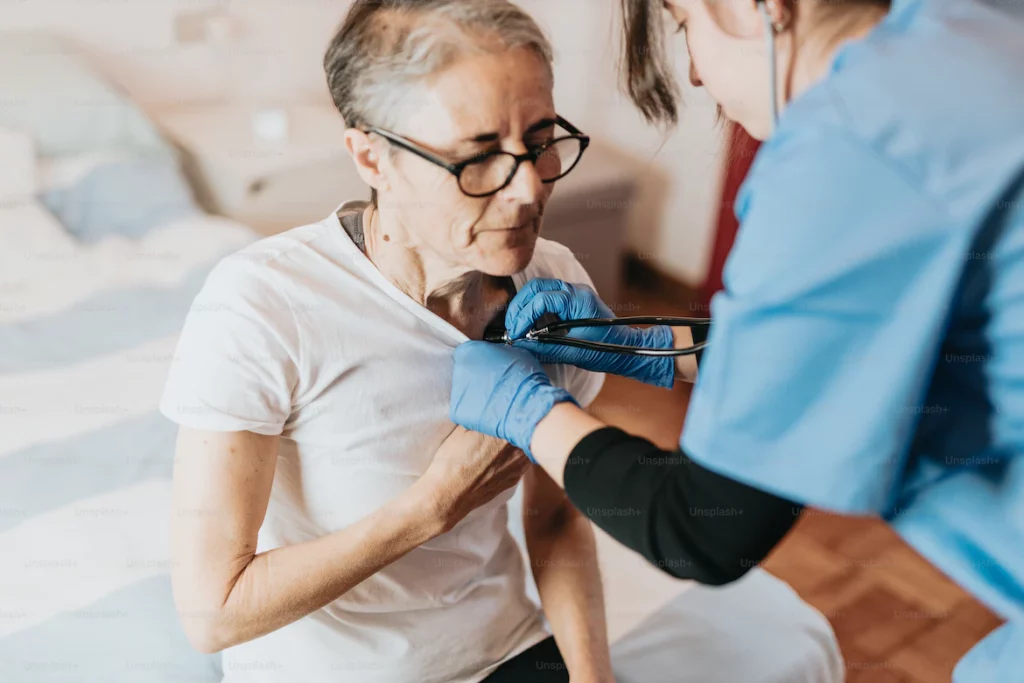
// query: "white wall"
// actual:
[[276, 57], [684, 165], [682, 168]]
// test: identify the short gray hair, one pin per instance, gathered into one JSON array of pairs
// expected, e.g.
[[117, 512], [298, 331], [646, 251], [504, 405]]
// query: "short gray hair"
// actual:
[[385, 47]]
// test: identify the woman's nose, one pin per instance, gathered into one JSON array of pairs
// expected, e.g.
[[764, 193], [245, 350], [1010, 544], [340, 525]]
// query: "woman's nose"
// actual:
[[526, 185], [694, 78]]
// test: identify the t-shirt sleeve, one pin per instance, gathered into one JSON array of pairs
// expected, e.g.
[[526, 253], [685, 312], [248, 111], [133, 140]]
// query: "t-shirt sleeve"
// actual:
[[559, 262], [235, 368], [835, 305]]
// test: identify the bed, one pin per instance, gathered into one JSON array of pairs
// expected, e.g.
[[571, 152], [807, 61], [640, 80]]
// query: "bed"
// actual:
[[100, 258]]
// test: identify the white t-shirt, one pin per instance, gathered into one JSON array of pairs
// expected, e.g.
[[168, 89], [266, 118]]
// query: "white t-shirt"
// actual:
[[300, 335]]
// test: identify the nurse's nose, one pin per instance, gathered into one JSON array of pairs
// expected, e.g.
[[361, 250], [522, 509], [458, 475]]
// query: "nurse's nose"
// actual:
[[694, 78]]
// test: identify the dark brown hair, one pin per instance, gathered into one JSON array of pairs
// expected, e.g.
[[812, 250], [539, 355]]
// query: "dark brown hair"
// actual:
[[646, 69], [647, 74]]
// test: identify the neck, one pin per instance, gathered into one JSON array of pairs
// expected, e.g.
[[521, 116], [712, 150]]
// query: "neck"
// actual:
[[461, 296], [814, 42]]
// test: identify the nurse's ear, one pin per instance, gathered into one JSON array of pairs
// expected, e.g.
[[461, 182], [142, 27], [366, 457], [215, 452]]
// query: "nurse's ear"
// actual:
[[780, 14], [367, 156]]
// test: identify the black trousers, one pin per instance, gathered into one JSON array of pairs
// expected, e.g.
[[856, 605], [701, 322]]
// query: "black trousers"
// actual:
[[542, 663]]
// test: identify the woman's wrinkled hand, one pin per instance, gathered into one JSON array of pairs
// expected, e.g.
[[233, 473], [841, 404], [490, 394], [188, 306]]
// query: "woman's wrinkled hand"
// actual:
[[469, 470]]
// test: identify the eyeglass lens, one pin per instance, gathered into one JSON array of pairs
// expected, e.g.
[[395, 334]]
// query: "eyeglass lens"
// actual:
[[492, 173]]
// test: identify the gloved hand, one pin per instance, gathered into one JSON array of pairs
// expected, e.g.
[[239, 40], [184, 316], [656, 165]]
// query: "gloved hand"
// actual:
[[501, 391], [568, 301]]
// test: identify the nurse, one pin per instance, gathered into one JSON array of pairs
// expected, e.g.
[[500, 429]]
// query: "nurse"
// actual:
[[867, 353]]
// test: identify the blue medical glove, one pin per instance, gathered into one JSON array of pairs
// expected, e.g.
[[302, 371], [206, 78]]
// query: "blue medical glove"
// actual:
[[501, 391], [567, 302]]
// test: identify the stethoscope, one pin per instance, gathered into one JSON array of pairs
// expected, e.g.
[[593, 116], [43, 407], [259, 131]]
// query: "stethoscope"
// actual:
[[556, 332]]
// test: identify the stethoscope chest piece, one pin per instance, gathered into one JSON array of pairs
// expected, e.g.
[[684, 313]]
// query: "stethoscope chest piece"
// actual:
[[499, 335]]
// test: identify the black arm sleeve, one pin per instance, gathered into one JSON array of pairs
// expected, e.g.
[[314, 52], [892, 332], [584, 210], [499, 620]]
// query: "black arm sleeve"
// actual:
[[685, 519], [700, 334]]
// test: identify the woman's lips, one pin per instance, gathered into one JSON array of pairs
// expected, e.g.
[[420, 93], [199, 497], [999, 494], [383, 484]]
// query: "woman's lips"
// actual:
[[530, 224]]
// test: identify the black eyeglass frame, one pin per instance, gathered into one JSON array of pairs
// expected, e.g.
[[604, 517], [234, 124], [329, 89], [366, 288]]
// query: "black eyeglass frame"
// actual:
[[531, 155]]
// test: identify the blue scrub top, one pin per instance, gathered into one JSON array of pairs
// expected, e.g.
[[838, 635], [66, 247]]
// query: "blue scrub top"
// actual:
[[868, 349]]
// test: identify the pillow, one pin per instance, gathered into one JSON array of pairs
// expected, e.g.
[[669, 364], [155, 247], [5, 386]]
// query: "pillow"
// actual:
[[17, 172], [98, 195], [104, 167], [52, 93]]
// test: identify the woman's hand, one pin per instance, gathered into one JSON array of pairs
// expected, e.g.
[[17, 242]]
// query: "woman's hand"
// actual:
[[501, 391], [469, 470], [546, 297]]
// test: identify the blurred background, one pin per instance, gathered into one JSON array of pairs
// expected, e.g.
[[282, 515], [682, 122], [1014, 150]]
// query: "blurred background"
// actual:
[[103, 101], [201, 69]]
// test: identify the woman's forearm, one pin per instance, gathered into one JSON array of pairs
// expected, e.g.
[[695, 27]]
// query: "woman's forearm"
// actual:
[[280, 586], [686, 366], [226, 593], [563, 557], [557, 435]]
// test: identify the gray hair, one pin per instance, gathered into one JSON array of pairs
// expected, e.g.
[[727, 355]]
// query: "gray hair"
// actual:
[[385, 48]]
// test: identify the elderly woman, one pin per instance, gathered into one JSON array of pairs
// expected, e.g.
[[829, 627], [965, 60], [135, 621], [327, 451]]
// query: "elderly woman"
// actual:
[[331, 523]]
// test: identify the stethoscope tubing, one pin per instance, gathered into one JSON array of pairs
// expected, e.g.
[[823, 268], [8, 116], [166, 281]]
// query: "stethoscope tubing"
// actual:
[[616, 348], [672, 321], [549, 335]]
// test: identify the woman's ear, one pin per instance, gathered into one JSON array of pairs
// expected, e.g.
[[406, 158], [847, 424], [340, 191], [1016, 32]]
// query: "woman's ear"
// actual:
[[365, 157]]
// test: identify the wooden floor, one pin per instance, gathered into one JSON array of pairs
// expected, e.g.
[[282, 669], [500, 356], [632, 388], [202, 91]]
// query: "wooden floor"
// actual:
[[898, 620]]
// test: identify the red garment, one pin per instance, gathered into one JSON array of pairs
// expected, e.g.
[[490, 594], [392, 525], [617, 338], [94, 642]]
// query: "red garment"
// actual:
[[740, 150]]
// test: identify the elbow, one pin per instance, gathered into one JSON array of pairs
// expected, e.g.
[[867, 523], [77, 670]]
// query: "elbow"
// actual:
[[694, 558], [723, 576], [730, 568], [202, 644], [704, 572], [211, 623], [205, 624], [208, 635], [205, 642], [205, 631]]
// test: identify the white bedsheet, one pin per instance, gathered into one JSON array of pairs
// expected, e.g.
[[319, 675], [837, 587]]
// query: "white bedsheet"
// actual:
[[663, 630]]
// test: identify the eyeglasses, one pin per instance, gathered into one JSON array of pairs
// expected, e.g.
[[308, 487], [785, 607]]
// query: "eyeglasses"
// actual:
[[491, 172]]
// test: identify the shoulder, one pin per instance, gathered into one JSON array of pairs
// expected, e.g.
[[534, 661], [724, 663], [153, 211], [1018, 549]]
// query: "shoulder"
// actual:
[[934, 85], [821, 205], [249, 275], [274, 267], [816, 165], [251, 294]]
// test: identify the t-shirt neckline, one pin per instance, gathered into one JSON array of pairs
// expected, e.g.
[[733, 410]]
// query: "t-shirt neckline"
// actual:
[[363, 262]]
